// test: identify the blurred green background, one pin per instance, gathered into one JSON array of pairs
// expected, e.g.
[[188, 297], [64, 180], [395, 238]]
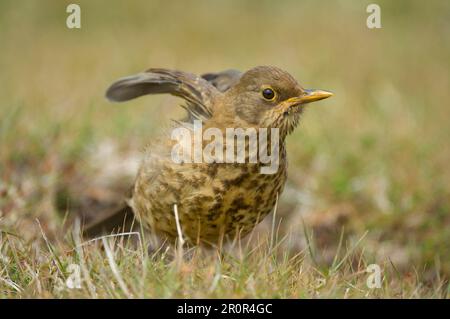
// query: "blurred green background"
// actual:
[[373, 158]]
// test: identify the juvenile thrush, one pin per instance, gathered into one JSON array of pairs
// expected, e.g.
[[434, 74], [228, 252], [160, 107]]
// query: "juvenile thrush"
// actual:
[[214, 200]]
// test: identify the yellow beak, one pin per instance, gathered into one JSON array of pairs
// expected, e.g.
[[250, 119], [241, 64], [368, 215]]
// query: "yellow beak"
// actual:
[[310, 96]]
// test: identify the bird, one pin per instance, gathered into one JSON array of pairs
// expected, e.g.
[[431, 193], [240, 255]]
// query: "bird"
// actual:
[[211, 201]]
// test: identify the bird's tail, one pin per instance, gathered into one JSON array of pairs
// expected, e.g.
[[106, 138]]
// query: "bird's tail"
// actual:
[[121, 220]]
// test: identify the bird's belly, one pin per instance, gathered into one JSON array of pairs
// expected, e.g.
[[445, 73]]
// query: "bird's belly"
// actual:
[[212, 202]]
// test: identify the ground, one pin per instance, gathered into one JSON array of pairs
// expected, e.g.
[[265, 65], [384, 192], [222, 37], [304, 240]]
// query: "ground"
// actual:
[[369, 180]]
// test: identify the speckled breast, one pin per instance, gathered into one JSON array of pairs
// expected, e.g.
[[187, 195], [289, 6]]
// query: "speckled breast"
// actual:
[[213, 200]]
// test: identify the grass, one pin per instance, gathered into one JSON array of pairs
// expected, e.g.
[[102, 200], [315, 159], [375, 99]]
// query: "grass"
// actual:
[[117, 267], [368, 176]]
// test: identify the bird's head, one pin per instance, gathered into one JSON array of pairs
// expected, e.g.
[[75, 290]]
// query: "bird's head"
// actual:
[[270, 97]]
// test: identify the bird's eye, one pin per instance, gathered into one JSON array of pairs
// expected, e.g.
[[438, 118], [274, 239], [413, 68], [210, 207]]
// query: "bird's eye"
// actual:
[[268, 94]]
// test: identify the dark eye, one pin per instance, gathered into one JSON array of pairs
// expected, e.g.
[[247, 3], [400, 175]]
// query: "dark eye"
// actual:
[[268, 94]]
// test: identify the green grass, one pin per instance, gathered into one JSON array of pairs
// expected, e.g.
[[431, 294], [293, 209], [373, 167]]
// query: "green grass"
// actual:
[[259, 270], [369, 166]]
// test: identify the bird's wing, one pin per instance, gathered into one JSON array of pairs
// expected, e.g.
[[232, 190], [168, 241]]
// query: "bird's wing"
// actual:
[[223, 80], [198, 92]]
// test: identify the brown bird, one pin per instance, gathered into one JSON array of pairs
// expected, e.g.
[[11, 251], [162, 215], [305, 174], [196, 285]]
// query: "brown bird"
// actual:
[[215, 199]]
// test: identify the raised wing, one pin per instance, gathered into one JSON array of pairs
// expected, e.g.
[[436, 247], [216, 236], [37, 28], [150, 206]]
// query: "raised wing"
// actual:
[[223, 80], [198, 92]]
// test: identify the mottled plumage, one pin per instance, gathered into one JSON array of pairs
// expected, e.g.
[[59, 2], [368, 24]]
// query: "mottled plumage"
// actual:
[[214, 200]]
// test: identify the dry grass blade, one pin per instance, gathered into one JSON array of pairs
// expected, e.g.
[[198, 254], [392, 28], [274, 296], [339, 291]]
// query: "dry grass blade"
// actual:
[[114, 269]]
